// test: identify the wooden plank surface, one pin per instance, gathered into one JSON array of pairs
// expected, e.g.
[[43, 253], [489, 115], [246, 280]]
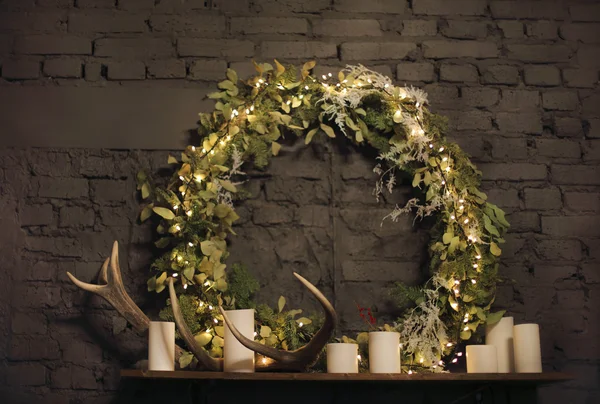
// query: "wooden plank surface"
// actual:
[[533, 378]]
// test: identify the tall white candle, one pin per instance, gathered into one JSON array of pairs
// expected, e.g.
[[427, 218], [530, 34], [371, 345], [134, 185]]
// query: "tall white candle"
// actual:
[[161, 345], [236, 357], [342, 358], [384, 352], [482, 359], [528, 351], [500, 335]]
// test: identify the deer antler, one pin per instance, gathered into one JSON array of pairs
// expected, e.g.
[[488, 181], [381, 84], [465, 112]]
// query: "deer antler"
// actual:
[[301, 358], [113, 291]]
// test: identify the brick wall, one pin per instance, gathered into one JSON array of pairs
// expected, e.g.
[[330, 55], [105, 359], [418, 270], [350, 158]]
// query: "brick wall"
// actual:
[[518, 79]]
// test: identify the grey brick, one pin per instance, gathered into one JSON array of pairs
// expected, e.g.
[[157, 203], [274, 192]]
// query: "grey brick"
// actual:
[[591, 150], [130, 70], [514, 171], [582, 201], [584, 78], [504, 198], [214, 47], [551, 9], [95, 3], [511, 29], [586, 33], [585, 12], [208, 70], [568, 127], [109, 190], [458, 49], [480, 96], [374, 6], [93, 71], [542, 75], [455, 7], [74, 216], [539, 53], [272, 214], [560, 100], [29, 323], [194, 24], [522, 222], [62, 188], [53, 45], [575, 174], [376, 51], [571, 226], [285, 6], [458, 73], [559, 250], [56, 246], [561, 148], [63, 68], [519, 100], [588, 56], [18, 69], [31, 22], [377, 270], [27, 374], [106, 21], [346, 28], [313, 215], [509, 149], [500, 74], [412, 71], [134, 48], [37, 215], [134, 5], [270, 25], [465, 29], [167, 69], [473, 120], [542, 29], [543, 198], [419, 28], [519, 122], [593, 128], [442, 95]]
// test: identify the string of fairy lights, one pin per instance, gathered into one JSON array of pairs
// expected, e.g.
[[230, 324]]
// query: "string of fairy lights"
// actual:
[[457, 208]]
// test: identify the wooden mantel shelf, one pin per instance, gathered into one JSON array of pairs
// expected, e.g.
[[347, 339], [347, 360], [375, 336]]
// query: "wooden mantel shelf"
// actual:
[[507, 378]]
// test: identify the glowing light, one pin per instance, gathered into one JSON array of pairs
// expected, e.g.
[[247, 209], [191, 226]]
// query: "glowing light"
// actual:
[[448, 169], [441, 363], [443, 182], [452, 217], [324, 77], [466, 221], [175, 207], [228, 138], [456, 291], [410, 372], [358, 357], [417, 105], [261, 81], [456, 282], [441, 149], [421, 360], [338, 84], [175, 275], [182, 193], [306, 87], [210, 307], [264, 360], [478, 257], [400, 345], [329, 74], [445, 159], [461, 207], [386, 85], [208, 330], [216, 321], [179, 258], [203, 150], [459, 354], [206, 283], [191, 244], [257, 84], [212, 152], [255, 333], [461, 201], [475, 266], [430, 146], [177, 228], [466, 328], [300, 324], [454, 360], [185, 285], [193, 148], [473, 281], [454, 305], [189, 213], [200, 304], [301, 96], [288, 102], [466, 320], [252, 107]]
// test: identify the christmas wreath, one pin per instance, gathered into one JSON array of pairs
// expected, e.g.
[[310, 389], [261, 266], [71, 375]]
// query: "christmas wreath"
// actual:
[[196, 209]]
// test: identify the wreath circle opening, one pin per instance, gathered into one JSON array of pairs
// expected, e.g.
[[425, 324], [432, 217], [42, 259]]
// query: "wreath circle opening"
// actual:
[[196, 208]]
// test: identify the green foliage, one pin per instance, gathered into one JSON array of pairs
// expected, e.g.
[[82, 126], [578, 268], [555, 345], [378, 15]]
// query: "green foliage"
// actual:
[[242, 286]]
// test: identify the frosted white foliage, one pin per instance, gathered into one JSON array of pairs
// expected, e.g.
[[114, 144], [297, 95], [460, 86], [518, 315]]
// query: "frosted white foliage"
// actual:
[[237, 160], [423, 332]]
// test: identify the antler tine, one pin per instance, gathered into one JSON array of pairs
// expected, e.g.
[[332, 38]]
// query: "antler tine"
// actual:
[[316, 344], [88, 287], [115, 269], [257, 347], [103, 276], [200, 353]]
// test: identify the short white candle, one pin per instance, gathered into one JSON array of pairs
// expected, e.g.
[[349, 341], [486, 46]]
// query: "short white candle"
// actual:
[[528, 351], [500, 335], [384, 352], [342, 358], [161, 345], [236, 357], [482, 359]]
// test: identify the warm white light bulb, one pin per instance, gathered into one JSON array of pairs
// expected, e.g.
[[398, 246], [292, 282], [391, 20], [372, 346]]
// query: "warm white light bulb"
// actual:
[[210, 307], [177, 228], [191, 244], [473, 281], [447, 169], [459, 354], [185, 285], [206, 283], [359, 357], [175, 275], [466, 221], [441, 149], [445, 159], [478, 257], [466, 328], [324, 77], [430, 146], [216, 321], [452, 217], [449, 344], [264, 360], [454, 360], [410, 372], [475, 265], [175, 207], [300, 324]]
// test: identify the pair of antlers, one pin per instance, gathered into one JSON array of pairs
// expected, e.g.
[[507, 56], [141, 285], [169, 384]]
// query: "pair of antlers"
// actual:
[[110, 287]]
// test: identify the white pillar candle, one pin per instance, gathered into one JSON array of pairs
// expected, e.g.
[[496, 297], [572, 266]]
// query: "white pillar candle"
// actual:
[[500, 335], [161, 346], [384, 352], [482, 359], [342, 358], [528, 351], [236, 357]]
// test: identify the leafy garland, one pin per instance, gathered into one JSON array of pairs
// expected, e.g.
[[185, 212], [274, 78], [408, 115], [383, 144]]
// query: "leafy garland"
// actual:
[[196, 208]]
